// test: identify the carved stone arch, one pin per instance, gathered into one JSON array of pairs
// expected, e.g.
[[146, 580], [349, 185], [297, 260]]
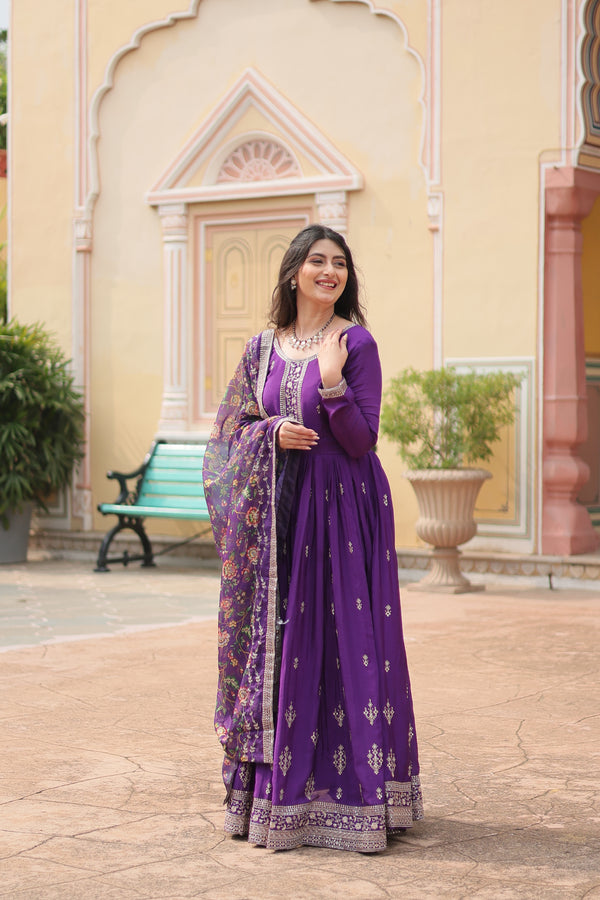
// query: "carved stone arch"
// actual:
[[385, 13], [589, 154], [172, 19], [108, 83], [259, 157]]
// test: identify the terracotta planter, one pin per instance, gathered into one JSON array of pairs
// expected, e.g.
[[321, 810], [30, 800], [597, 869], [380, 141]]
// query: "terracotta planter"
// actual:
[[446, 499], [15, 539]]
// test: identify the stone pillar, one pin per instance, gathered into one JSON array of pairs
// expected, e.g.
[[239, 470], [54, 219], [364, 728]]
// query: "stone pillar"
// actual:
[[174, 409], [566, 525], [333, 210]]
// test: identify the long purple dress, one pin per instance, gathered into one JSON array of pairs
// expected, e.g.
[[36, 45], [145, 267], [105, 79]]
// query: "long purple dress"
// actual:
[[341, 767]]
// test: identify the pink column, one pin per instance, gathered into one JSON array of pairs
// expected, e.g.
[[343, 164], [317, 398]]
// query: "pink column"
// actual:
[[566, 525]]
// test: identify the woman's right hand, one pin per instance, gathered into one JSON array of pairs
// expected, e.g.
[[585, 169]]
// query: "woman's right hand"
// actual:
[[296, 437]]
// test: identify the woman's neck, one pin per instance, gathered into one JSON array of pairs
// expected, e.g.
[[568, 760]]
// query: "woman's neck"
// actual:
[[309, 321]]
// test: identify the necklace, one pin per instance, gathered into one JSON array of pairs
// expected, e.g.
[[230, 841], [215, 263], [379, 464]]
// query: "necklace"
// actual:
[[305, 343]]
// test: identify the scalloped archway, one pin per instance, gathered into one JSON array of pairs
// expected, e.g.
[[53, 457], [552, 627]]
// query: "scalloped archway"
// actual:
[[88, 187]]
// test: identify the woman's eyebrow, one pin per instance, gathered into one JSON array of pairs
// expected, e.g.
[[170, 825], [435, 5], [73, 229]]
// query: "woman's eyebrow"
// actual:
[[322, 256]]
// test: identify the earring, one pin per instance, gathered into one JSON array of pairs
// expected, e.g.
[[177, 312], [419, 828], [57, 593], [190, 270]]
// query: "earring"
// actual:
[[293, 284]]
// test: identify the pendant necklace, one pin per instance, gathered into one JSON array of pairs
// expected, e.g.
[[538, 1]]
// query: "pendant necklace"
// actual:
[[305, 343]]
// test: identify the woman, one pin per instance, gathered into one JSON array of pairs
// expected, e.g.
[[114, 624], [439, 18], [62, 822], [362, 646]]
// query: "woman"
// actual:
[[314, 707]]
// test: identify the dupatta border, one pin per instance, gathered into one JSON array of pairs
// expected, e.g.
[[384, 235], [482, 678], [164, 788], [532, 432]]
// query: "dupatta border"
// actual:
[[266, 343], [248, 484]]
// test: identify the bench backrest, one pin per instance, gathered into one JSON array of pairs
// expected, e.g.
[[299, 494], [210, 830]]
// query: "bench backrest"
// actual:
[[173, 477]]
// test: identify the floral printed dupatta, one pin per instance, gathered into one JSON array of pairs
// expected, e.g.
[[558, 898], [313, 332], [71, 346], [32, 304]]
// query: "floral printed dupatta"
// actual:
[[243, 483]]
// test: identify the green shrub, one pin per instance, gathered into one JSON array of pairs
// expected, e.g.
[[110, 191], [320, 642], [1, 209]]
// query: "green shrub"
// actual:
[[3, 292], [41, 418], [442, 419]]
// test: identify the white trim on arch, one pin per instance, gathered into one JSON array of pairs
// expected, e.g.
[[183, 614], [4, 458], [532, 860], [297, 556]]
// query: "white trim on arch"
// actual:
[[213, 141]]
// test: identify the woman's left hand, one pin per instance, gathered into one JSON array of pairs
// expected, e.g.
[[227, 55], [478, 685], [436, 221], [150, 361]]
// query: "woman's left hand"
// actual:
[[332, 358]]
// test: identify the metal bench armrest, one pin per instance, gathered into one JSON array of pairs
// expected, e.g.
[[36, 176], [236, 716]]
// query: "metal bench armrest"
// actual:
[[123, 478]]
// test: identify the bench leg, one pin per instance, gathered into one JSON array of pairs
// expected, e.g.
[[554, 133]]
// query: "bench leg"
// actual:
[[134, 525]]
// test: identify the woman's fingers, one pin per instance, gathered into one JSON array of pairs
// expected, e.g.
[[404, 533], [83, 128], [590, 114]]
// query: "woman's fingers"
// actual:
[[332, 357], [296, 437]]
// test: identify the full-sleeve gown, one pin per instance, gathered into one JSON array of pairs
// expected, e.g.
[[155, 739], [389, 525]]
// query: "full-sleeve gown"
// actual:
[[342, 770]]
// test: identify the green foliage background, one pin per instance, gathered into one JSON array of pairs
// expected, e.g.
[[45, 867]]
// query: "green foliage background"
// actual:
[[3, 280], [41, 417], [441, 419]]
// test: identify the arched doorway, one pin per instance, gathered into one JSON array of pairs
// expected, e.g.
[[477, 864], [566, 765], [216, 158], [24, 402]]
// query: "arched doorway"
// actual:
[[221, 252]]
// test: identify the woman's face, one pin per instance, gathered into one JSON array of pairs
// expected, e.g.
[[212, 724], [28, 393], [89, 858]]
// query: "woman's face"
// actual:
[[323, 275]]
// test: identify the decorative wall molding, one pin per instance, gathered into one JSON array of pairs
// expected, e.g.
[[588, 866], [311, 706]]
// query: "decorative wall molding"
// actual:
[[435, 196], [174, 413], [82, 234], [435, 216], [107, 84], [433, 161], [81, 503], [259, 163], [388, 14], [80, 86], [517, 534], [533, 569], [259, 160], [333, 210], [213, 146]]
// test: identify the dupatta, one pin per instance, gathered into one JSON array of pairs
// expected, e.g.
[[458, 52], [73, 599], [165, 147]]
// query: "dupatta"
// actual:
[[244, 481]]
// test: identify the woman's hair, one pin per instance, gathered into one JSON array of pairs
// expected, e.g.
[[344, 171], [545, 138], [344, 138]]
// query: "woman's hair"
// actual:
[[283, 301]]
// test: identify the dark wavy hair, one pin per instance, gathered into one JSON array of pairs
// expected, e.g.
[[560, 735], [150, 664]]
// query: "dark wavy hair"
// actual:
[[283, 301]]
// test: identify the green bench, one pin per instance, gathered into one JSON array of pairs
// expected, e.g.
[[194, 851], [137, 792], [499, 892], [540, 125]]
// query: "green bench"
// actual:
[[168, 486]]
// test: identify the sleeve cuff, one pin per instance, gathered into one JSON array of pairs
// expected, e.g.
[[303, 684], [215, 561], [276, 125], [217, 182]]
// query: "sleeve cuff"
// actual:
[[338, 391]]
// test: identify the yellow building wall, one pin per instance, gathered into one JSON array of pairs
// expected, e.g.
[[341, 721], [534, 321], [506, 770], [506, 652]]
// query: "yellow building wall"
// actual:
[[382, 138], [41, 161], [367, 95], [498, 121], [501, 90]]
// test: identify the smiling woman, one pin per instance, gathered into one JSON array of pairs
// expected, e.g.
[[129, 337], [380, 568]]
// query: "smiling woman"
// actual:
[[314, 705]]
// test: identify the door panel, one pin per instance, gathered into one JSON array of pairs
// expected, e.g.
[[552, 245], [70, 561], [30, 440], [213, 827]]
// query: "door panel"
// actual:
[[241, 264]]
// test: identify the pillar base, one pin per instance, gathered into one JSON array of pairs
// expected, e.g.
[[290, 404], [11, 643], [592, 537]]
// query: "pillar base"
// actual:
[[567, 530]]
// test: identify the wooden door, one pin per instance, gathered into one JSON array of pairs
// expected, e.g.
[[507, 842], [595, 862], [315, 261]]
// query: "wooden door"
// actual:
[[241, 264]]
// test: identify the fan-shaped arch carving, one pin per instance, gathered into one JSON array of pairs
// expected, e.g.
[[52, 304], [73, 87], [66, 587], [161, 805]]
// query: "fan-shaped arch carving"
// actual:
[[257, 160]]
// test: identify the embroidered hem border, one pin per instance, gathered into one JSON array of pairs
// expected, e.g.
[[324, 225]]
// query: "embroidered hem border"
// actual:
[[321, 824]]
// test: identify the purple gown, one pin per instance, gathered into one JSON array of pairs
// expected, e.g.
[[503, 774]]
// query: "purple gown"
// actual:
[[343, 771]]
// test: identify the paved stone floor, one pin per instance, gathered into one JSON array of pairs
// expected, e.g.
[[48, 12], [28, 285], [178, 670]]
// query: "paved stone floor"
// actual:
[[110, 773]]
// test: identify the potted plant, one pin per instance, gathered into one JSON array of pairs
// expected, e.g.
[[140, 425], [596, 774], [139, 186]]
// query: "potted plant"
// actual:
[[444, 423], [41, 429]]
